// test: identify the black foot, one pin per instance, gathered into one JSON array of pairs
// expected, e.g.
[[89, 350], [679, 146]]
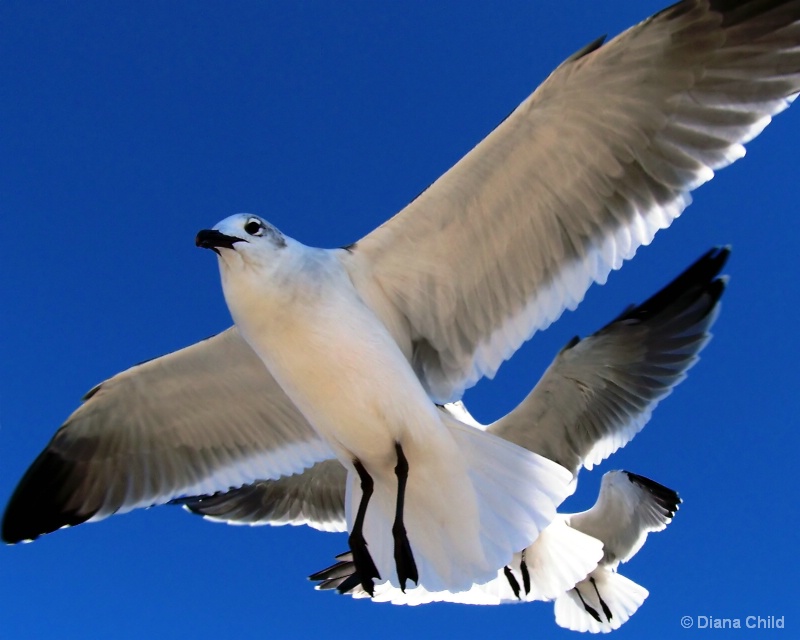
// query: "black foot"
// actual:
[[403, 556], [364, 564], [589, 609], [603, 604]]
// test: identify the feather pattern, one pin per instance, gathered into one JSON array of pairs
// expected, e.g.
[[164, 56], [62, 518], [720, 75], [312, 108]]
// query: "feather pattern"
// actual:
[[586, 170]]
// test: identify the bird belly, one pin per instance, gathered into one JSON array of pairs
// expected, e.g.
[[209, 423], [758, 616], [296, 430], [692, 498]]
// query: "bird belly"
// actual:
[[350, 380]]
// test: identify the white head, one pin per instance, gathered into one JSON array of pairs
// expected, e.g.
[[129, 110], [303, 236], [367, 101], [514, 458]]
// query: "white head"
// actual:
[[263, 272], [243, 228], [257, 262], [255, 256]]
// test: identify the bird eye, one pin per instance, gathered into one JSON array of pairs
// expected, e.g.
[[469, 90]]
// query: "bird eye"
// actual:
[[254, 227]]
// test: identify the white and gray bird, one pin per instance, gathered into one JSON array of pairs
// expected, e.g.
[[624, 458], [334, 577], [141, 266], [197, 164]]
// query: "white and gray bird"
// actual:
[[429, 500], [587, 169], [594, 398], [628, 508]]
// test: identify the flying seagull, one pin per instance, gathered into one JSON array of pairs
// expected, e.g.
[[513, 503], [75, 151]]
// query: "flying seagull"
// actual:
[[599, 157], [451, 504], [628, 508], [595, 396]]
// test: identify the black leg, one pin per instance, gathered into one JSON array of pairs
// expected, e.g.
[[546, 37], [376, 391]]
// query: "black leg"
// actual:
[[526, 577], [603, 604], [512, 581], [403, 557], [365, 566], [589, 609]]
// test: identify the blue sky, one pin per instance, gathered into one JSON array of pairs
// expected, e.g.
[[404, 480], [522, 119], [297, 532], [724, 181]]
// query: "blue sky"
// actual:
[[127, 127]]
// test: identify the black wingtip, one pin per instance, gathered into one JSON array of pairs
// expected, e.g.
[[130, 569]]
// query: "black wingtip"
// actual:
[[349, 584], [341, 569], [702, 274], [39, 504], [667, 498], [339, 577]]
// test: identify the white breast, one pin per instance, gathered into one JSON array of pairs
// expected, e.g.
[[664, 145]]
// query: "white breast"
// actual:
[[332, 356]]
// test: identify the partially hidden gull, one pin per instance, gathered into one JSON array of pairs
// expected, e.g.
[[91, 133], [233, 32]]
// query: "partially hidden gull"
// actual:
[[595, 396], [587, 169], [628, 508]]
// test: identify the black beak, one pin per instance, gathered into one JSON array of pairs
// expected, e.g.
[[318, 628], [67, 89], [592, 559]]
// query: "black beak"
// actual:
[[211, 239]]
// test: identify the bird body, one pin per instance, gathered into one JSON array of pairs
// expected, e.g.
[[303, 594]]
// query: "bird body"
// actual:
[[305, 320], [337, 362], [628, 508]]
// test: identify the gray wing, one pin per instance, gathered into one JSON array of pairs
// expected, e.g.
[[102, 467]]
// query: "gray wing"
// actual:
[[628, 508], [197, 421], [602, 155], [599, 392], [314, 497]]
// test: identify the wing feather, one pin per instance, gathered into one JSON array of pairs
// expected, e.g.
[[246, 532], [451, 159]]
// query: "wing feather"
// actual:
[[628, 507], [587, 169], [314, 497], [198, 421], [599, 392]]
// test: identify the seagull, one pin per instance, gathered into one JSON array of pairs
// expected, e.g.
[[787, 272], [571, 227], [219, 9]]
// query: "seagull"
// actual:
[[603, 154], [628, 508], [595, 396], [451, 504]]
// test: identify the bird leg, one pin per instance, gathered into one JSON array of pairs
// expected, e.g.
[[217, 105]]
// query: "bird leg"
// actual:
[[512, 581], [364, 564], [403, 557], [589, 609], [526, 577], [603, 604]]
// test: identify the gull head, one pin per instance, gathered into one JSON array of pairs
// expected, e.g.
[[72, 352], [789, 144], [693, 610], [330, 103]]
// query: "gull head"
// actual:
[[242, 233]]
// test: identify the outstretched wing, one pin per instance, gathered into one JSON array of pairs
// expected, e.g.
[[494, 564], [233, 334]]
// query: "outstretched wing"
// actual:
[[628, 508], [602, 155], [197, 421], [600, 391]]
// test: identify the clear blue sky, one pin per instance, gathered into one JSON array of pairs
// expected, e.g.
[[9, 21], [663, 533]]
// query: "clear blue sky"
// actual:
[[127, 127]]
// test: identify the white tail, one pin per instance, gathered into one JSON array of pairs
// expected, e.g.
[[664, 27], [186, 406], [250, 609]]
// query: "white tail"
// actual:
[[465, 517], [621, 596], [558, 559]]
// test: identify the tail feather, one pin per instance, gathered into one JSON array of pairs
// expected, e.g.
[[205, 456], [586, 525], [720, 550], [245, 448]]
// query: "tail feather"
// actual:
[[464, 528], [518, 492], [580, 609], [559, 558]]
